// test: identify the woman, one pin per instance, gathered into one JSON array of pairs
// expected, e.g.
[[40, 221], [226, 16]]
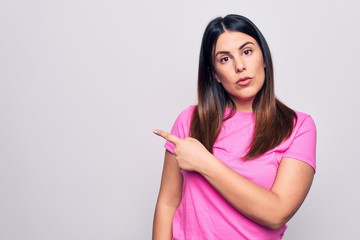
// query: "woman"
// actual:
[[240, 163]]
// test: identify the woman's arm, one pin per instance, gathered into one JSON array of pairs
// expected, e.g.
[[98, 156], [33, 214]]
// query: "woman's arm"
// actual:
[[168, 199], [271, 208]]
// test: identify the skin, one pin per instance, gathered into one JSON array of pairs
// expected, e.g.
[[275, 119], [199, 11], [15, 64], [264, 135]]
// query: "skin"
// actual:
[[239, 56], [236, 55], [169, 198]]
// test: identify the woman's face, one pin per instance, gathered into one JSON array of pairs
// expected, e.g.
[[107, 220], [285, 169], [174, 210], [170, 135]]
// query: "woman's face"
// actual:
[[239, 67]]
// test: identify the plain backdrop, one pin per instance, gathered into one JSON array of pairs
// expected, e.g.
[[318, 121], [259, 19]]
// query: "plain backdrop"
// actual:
[[84, 83]]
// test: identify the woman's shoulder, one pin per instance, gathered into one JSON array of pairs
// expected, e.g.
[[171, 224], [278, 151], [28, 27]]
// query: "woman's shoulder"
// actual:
[[189, 109], [304, 119], [301, 114], [187, 112], [181, 126], [304, 126], [301, 144], [185, 116]]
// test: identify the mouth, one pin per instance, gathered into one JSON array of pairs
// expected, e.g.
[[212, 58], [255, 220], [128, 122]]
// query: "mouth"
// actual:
[[244, 81]]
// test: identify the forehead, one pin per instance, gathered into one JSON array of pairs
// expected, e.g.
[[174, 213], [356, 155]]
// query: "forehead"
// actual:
[[229, 39]]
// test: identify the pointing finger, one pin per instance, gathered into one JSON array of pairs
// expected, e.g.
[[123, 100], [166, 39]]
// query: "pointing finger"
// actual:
[[167, 136]]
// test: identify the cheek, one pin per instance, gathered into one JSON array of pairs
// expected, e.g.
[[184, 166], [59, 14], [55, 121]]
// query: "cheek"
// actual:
[[261, 68], [262, 77], [221, 74], [260, 63], [225, 71]]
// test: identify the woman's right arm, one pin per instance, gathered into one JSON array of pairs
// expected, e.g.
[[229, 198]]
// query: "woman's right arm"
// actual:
[[168, 199]]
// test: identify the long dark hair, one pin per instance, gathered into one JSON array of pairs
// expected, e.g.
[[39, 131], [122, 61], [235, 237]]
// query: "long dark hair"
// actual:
[[274, 121]]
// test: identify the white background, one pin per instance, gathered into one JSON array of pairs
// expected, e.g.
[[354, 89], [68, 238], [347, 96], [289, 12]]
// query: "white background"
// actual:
[[84, 83]]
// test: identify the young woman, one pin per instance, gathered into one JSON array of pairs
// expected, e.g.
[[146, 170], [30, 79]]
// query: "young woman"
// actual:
[[240, 163]]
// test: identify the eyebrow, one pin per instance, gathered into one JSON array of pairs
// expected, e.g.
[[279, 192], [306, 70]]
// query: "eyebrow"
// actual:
[[241, 47]]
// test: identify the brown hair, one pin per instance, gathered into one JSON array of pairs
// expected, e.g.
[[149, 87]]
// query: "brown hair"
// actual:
[[274, 121]]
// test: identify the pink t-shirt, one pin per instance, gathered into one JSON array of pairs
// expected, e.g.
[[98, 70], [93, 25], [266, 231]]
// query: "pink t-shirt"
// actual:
[[203, 213]]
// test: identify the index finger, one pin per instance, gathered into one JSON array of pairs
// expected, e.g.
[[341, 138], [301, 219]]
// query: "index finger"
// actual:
[[167, 136]]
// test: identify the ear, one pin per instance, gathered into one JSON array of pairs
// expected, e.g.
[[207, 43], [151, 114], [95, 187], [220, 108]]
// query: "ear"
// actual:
[[216, 77]]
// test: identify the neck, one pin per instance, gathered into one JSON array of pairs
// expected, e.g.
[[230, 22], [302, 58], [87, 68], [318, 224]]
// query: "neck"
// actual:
[[244, 106]]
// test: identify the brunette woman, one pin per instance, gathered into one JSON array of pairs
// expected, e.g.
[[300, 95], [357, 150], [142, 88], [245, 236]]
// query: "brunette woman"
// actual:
[[239, 164]]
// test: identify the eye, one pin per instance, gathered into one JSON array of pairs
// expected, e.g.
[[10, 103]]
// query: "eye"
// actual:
[[224, 59], [247, 52]]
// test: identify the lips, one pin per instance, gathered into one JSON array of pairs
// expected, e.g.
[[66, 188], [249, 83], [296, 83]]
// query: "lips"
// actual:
[[244, 81]]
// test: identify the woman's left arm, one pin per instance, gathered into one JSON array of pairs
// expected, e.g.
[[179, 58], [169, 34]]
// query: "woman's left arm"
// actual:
[[270, 208]]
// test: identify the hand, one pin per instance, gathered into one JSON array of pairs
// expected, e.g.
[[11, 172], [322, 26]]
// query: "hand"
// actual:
[[190, 154]]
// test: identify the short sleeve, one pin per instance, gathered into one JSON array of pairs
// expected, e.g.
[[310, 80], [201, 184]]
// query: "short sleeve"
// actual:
[[303, 145], [181, 127]]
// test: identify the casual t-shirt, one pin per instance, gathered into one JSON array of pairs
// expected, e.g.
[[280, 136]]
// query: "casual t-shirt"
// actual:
[[203, 213]]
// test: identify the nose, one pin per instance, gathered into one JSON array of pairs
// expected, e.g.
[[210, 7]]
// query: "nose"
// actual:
[[239, 65]]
